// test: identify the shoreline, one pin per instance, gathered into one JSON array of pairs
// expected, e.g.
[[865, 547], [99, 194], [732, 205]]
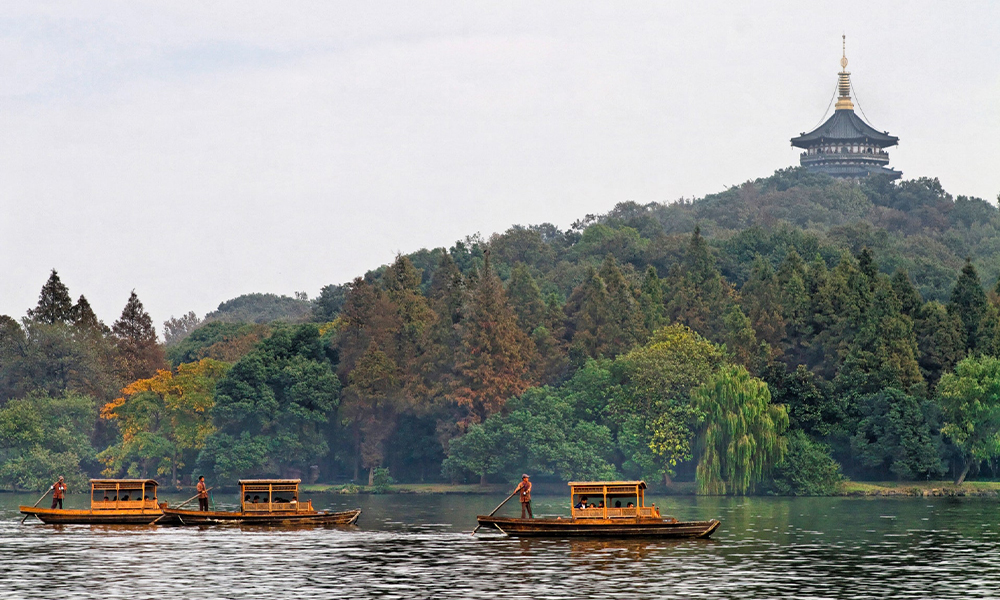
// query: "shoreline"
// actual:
[[863, 489]]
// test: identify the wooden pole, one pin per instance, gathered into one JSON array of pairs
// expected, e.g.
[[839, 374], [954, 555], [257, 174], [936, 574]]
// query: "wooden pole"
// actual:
[[498, 507], [36, 504], [181, 504]]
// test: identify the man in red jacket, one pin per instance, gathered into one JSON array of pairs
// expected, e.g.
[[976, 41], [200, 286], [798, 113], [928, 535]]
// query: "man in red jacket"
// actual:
[[202, 494], [58, 492], [525, 488]]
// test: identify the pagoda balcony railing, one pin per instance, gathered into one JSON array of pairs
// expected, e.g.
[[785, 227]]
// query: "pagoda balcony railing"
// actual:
[[879, 157]]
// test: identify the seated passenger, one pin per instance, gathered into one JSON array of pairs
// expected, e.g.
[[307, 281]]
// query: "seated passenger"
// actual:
[[247, 499], [618, 503], [629, 505], [600, 504], [106, 499], [125, 498], [256, 499], [591, 505], [582, 503]]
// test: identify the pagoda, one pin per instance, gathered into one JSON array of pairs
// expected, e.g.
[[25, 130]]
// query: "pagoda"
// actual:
[[845, 146]]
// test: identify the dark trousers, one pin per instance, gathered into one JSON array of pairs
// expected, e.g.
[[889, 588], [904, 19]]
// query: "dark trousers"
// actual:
[[57, 501], [203, 504], [526, 507]]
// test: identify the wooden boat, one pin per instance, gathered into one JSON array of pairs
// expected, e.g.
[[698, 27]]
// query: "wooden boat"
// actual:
[[609, 509], [112, 502], [265, 502]]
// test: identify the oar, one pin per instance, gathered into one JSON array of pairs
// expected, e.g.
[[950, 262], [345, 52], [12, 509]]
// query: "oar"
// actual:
[[512, 494], [182, 504], [36, 504]]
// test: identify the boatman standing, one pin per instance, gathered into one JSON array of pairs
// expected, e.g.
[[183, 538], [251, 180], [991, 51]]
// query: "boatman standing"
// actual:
[[58, 492], [525, 488], [202, 494]]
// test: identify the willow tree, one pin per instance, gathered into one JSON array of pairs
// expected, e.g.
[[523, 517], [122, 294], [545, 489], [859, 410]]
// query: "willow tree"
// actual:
[[741, 436]]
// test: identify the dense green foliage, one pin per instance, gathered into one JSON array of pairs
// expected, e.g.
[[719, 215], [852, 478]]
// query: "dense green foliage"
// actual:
[[765, 337], [42, 437]]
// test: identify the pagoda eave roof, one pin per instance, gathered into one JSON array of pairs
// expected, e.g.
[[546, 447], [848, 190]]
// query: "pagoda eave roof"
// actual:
[[845, 126]]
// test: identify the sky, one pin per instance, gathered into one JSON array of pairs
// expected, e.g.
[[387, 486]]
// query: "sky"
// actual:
[[197, 151]]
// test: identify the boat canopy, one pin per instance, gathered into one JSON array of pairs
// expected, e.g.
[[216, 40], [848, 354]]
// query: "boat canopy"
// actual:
[[610, 500], [641, 484], [122, 484], [272, 495], [123, 494], [269, 481]]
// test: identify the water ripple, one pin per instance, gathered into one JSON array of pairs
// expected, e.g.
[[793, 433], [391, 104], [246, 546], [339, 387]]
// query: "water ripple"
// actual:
[[420, 547]]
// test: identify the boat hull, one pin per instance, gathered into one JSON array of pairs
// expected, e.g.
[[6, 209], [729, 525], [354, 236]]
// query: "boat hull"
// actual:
[[58, 516], [605, 528], [194, 517]]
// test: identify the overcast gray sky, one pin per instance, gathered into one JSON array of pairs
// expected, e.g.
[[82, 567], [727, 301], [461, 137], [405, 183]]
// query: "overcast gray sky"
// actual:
[[196, 151]]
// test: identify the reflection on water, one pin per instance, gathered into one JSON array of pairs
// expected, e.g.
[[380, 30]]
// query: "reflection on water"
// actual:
[[420, 547]]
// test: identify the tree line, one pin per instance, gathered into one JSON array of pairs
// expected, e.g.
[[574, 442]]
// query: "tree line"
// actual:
[[774, 344]]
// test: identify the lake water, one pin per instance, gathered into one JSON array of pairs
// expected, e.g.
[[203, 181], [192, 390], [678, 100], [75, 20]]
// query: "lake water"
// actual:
[[410, 546]]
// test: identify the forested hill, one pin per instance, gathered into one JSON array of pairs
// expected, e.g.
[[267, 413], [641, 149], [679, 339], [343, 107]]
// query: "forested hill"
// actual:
[[768, 337], [913, 225]]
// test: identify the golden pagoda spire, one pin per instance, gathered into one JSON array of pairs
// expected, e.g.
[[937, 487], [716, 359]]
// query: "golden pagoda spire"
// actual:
[[844, 81]]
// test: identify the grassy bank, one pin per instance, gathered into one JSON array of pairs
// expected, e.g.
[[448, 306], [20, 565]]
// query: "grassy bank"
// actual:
[[920, 488]]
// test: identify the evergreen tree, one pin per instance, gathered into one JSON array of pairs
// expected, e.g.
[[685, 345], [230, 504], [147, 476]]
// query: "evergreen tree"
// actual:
[[940, 341], [883, 353], [587, 318], [496, 357], [83, 316], [651, 301], [446, 297], [795, 307], [525, 298], [761, 300], [54, 303], [968, 302], [139, 354], [812, 406], [893, 435], [839, 309], [910, 301], [625, 326], [698, 295]]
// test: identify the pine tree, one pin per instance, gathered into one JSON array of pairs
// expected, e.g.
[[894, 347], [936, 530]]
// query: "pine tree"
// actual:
[[909, 298], [698, 296], [587, 316], [496, 357], [84, 318], [651, 301], [446, 297], [54, 303], [883, 354], [139, 354], [760, 299], [839, 309], [940, 341], [625, 325], [525, 298], [402, 285], [968, 302], [795, 307]]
